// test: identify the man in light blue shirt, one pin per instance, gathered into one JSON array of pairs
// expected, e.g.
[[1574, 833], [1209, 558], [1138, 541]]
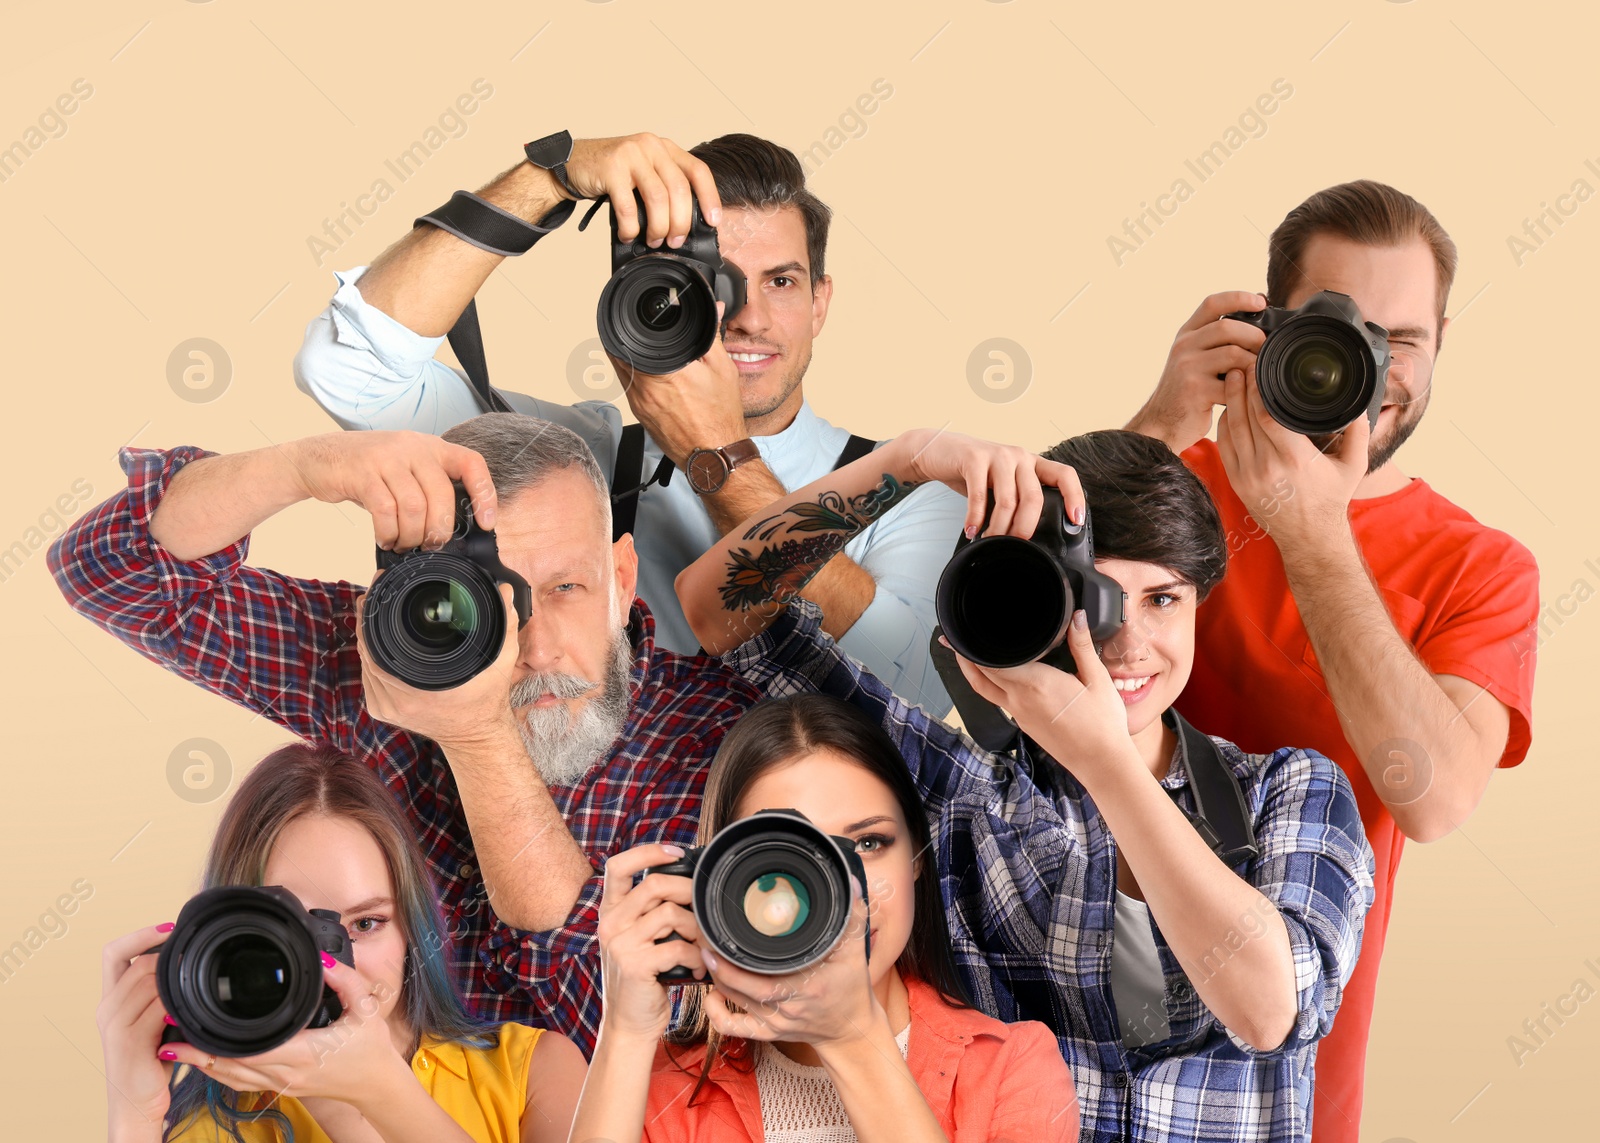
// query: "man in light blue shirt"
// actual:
[[368, 359]]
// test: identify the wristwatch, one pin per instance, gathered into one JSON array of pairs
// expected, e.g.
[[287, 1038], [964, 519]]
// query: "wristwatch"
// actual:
[[551, 154], [708, 468]]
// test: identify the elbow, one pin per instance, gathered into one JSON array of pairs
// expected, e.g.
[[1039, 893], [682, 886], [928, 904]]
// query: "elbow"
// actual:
[[712, 638], [1266, 1031], [1433, 816]]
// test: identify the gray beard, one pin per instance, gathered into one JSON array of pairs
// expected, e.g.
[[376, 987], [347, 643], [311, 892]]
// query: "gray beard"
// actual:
[[565, 747]]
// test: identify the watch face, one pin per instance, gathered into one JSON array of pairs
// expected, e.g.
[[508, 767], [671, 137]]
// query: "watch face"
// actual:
[[706, 470]]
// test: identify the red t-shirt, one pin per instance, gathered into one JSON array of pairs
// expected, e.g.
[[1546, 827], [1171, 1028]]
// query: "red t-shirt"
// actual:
[[1465, 596]]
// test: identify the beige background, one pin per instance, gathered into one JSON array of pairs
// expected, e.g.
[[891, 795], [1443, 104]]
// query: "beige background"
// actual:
[[974, 203]]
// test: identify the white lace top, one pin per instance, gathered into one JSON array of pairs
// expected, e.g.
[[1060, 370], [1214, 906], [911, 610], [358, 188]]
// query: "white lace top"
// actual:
[[799, 1104]]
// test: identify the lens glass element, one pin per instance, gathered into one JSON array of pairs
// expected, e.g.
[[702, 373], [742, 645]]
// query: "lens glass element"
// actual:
[[250, 976], [440, 613], [776, 904]]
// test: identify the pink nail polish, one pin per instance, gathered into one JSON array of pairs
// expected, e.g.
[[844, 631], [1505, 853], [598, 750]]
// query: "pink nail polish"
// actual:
[[165, 1054], [327, 960], [169, 1019], [165, 927]]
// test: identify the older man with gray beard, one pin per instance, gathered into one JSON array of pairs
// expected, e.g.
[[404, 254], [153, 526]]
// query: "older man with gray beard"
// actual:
[[581, 740]]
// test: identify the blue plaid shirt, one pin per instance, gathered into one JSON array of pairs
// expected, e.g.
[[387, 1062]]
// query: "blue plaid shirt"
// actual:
[[1029, 873]]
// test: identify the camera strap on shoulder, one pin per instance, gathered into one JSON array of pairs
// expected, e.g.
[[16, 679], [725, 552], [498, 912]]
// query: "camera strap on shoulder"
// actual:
[[1221, 816], [627, 479]]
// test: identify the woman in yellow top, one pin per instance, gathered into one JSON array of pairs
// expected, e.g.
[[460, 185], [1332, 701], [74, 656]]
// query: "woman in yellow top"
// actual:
[[405, 1062]]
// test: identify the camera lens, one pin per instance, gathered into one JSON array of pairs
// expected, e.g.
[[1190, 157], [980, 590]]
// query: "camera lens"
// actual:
[[1316, 375], [440, 614], [776, 904], [772, 893], [1002, 602], [658, 313], [249, 976], [658, 308], [434, 620], [241, 972]]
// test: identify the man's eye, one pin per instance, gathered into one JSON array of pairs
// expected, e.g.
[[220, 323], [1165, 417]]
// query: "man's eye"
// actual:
[[782, 280]]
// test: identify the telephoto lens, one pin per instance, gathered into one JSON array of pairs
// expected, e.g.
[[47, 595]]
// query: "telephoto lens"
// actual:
[[1003, 601], [435, 619], [772, 893], [242, 970], [1321, 366], [658, 312]]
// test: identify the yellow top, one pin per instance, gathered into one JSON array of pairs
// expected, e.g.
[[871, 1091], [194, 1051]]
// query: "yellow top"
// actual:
[[482, 1089]]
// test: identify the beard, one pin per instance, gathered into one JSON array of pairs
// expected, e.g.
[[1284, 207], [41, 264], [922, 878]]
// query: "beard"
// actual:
[[1381, 450], [565, 746], [786, 386]]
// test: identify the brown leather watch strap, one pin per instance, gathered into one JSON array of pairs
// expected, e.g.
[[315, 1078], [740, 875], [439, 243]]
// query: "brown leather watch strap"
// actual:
[[708, 469]]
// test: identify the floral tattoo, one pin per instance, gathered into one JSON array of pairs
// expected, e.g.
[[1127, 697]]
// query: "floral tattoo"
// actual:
[[780, 570]]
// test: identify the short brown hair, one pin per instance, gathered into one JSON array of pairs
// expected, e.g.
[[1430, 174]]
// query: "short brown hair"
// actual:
[[752, 172], [1362, 211]]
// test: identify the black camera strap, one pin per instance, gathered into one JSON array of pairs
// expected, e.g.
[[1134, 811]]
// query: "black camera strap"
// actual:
[[1220, 816], [480, 223]]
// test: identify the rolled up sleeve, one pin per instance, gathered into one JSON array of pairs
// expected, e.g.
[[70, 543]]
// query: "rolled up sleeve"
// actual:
[[1316, 867]]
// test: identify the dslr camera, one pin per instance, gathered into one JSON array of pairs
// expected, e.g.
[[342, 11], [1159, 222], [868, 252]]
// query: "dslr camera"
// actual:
[[772, 893], [1321, 366], [242, 972], [659, 310], [435, 619], [1004, 602]]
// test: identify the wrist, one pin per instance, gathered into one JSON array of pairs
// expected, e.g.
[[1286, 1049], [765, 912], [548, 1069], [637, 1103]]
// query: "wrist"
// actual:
[[1315, 544], [492, 741], [863, 1043], [383, 1095]]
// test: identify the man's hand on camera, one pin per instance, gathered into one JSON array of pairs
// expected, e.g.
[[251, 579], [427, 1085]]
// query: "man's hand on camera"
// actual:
[[699, 406], [403, 479], [1296, 492], [1208, 346], [474, 715], [666, 176], [978, 468]]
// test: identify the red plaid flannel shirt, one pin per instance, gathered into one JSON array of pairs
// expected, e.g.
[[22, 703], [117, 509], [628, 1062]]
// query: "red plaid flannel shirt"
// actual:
[[286, 648]]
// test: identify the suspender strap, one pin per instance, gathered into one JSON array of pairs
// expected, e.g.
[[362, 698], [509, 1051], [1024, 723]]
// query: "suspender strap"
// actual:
[[854, 449], [466, 340]]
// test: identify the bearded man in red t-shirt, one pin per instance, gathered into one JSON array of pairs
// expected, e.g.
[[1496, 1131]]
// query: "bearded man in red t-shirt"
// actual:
[[1362, 614]]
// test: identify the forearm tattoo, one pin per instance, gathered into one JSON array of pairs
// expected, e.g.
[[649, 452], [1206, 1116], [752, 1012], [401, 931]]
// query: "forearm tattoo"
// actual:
[[780, 570]]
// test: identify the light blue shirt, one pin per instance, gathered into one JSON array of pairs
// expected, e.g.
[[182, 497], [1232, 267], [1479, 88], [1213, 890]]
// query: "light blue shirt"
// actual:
[[371, 372]]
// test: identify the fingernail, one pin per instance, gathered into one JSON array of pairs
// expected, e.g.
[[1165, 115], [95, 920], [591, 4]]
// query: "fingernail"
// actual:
[[943, 642], [169, 1019], [1080, 620], [970, 531], [715, 216], [329, 962], [711, 961], [672, 850], [166, 927], [1077, 514], [167, 1054]]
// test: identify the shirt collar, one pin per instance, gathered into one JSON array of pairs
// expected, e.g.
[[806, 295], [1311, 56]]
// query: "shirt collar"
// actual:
[[446, 1054]]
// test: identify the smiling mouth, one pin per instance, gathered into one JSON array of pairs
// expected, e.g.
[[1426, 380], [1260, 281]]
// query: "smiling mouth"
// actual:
[[746, 359], [1126, 686]]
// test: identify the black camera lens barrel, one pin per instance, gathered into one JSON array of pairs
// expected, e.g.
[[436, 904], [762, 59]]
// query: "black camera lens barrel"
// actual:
[[1003, 602], [769, 844], [658, 313], [1321, 366], [411, 637], [241, 971]]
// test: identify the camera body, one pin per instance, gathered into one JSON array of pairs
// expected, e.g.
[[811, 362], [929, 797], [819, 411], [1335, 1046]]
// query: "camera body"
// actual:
[[1003, 601], [658, 312], [241, 971], [435, 619], [738, 870], [1321, 366]]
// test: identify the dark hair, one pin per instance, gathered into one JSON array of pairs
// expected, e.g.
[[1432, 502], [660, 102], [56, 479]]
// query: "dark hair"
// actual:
[[288, 784], [751, 172], [1363, 211], [776, 732], [1146, 505]]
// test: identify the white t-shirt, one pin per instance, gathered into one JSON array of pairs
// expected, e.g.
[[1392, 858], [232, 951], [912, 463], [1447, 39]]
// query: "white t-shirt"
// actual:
[[1138, 984]]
